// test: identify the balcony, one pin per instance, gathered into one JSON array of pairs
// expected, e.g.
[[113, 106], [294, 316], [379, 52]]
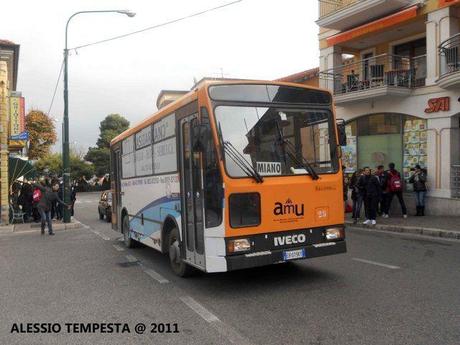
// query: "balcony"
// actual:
[[345, 14], [449, 62], [379, 76]]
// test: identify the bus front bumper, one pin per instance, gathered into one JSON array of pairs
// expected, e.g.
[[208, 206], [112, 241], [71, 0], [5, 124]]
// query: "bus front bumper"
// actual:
[[256, 259]]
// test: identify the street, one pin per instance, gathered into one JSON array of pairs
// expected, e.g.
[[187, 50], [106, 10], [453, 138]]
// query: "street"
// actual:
[[388, 289]]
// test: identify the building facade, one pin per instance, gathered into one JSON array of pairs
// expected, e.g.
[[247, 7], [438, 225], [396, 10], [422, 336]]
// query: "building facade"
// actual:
[[10, 103], [394, 69]]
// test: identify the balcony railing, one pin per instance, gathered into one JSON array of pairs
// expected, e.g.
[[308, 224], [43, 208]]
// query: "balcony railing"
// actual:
[[378, 71], [329, 6], [449, 55]]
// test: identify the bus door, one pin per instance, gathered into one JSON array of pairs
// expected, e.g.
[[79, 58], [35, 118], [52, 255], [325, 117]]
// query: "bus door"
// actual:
[[116, 198], [191, 194]]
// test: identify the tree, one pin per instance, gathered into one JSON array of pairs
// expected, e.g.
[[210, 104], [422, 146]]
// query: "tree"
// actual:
[[51, 164], [42, 134], [110, 127]]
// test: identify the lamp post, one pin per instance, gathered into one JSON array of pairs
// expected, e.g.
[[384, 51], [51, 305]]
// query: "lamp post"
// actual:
[[65, 124]]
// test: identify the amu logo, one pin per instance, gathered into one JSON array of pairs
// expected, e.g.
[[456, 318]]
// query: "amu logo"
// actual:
[[288, 208]]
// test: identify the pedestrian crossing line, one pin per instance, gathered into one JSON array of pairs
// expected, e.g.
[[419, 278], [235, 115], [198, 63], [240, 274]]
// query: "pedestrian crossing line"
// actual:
[[119, 248], [391, 267]]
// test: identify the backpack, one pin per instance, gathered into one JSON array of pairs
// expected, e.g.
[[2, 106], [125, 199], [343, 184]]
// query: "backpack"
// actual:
[[37, 195], [395, 182]]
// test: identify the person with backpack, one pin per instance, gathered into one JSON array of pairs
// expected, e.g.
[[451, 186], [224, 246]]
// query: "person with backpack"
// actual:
[[394, 186], [418, 179], [370, 184]]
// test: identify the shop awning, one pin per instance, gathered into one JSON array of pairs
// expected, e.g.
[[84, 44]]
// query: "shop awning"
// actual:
[[19, 167], [374, 26]]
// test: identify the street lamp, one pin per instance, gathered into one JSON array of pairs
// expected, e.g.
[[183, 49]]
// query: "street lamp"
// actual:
[[65, 124]]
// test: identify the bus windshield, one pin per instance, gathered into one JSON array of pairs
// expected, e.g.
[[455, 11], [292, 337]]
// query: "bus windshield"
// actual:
[[278, 141]]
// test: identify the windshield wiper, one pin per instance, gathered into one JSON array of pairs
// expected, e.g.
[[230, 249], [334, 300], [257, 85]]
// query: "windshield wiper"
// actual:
[[238, 158], [289, 148]]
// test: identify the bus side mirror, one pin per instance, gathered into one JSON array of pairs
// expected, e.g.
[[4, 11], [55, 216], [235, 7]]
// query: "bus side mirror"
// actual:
[[341, 132], [200, 137]]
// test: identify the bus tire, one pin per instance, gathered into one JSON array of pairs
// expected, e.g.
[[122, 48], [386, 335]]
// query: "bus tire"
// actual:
[[178, 266], [129, 242]]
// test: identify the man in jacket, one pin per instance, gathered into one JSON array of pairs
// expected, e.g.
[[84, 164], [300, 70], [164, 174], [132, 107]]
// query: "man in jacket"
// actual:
[[49, 196], [372, 193]]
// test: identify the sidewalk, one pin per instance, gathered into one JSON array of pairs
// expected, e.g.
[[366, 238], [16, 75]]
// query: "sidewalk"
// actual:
[[435, 226], [26, 227]]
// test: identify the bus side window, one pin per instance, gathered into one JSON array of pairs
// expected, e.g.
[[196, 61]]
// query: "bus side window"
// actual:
[[213, 191]]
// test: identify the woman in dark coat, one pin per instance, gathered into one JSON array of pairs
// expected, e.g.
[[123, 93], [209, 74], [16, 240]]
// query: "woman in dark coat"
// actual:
[[418, 179]]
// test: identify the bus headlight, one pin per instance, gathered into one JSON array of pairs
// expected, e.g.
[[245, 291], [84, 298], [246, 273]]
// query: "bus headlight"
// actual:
[[333, 234], [238, 245]]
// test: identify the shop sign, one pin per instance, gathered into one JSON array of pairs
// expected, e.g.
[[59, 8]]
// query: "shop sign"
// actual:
[[17, 116], [438, 104]]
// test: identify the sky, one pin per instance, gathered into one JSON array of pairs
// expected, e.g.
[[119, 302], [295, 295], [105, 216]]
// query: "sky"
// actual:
[[252, 39]]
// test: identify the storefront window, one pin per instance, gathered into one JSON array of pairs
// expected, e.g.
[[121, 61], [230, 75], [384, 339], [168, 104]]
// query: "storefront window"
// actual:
[[415, 144], [384, 138]]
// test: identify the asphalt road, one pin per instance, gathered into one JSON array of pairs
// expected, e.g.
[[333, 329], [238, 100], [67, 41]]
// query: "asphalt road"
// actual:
[[388, 289]]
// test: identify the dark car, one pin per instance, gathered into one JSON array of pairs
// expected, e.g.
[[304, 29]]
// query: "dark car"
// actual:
[[105, 206]]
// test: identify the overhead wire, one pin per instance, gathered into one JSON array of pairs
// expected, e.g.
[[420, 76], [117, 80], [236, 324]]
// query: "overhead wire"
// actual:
[[157, 25], [56, 87]]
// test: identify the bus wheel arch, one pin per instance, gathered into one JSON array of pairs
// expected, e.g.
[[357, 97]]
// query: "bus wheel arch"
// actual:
[[168, 225], [129, 242], [124, 213]]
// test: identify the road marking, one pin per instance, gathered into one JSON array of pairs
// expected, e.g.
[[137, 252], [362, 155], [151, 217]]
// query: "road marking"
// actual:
[[155, 275], [105, 238], [377, 263], [199, 309], [131, 258], [227, 331], [119, 248]]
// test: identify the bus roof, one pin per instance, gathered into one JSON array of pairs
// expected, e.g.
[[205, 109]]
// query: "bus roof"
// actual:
[[192, 95]]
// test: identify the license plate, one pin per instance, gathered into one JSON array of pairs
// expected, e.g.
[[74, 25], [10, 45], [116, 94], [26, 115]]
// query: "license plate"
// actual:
[[294, 254]]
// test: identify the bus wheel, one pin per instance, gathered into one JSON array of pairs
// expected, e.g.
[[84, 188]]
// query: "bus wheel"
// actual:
[[129, 242], [178, 266]]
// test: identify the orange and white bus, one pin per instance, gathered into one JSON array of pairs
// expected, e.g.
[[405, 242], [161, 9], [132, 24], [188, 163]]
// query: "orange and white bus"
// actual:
[[233, 175]]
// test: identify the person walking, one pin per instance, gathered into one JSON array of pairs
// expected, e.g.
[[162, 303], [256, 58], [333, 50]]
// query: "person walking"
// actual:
[[372, 193], [48, 197], [394, 187], [418, 179], [357, 195]]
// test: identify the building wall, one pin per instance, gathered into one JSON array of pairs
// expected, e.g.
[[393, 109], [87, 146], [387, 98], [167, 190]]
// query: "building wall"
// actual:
[[443, 132], [4, 91]]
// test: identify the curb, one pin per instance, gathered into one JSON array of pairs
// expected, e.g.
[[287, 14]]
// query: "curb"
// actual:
[[56, 227], [6, 229], [431, 232]]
